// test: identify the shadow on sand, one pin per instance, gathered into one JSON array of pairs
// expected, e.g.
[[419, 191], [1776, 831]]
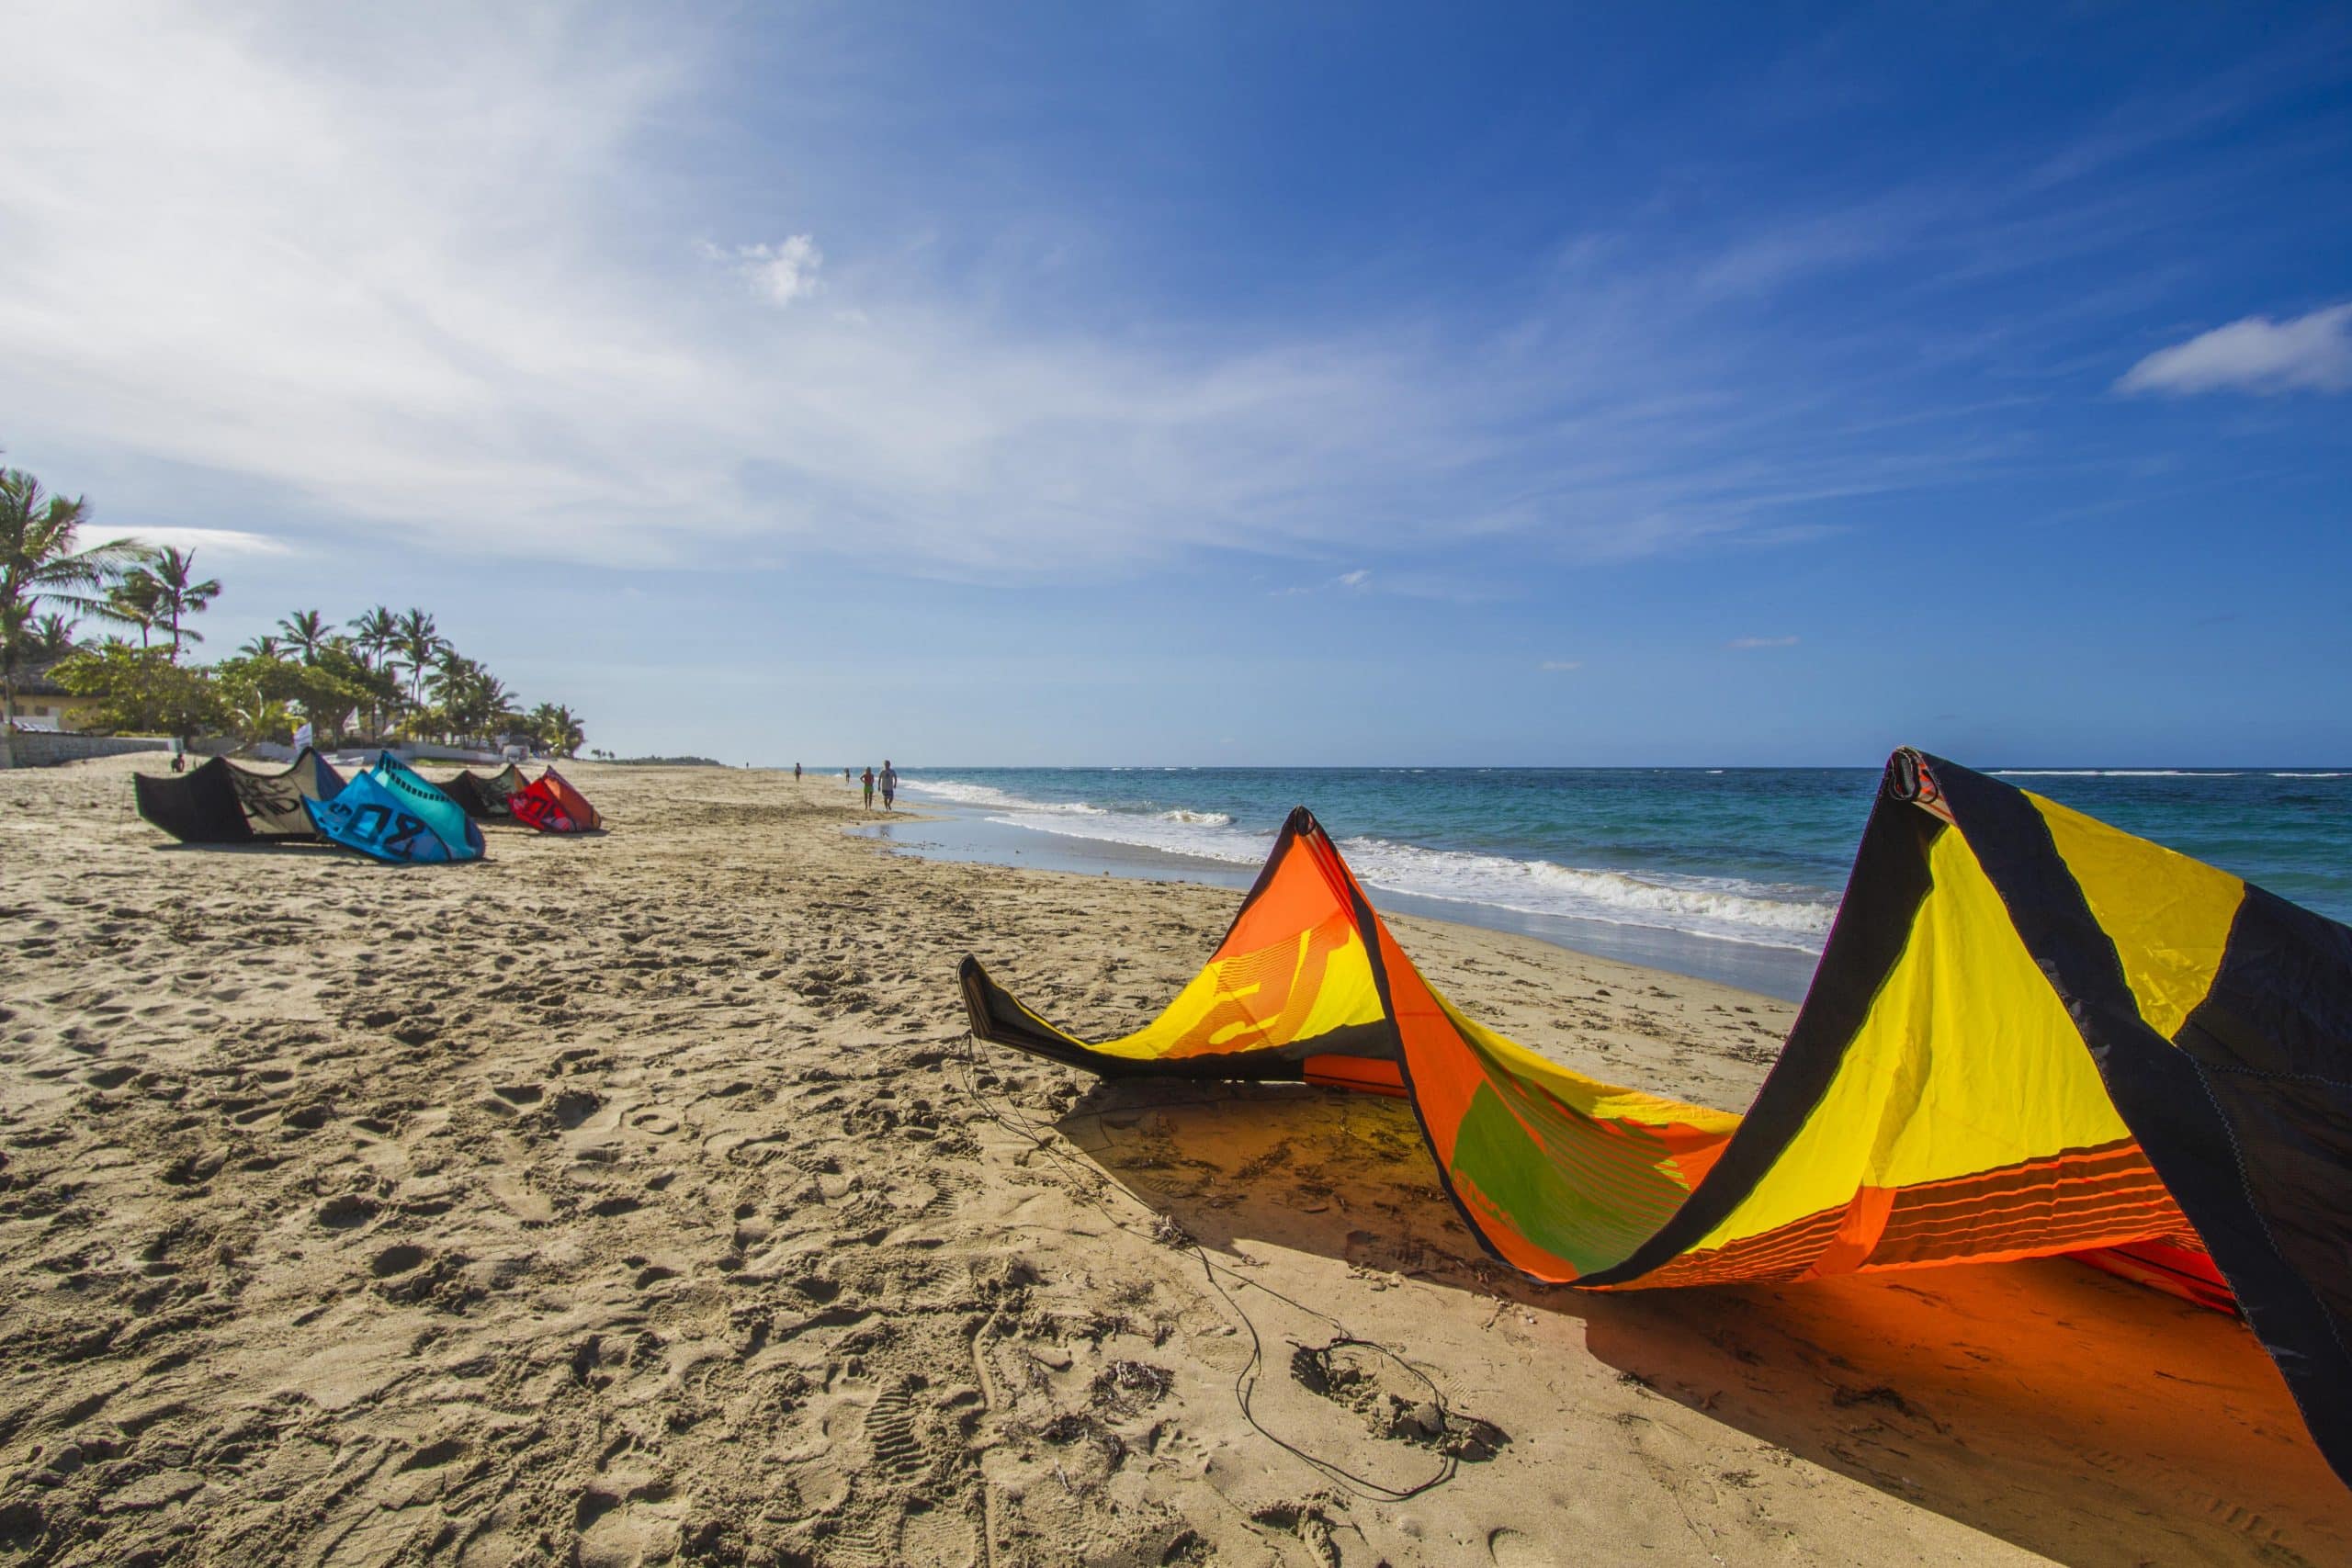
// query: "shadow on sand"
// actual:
[[2044, 1403], [256, 847]]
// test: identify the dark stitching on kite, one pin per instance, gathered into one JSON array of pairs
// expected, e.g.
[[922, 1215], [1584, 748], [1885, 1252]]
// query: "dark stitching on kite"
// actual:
[[2245, 1186], [2274, 1077]]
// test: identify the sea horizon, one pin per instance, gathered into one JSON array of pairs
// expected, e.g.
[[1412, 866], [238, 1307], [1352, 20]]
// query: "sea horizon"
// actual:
[[1729, 873]]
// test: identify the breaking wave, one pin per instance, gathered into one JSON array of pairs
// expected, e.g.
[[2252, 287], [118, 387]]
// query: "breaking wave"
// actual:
[[1725, 908], [961, 793]]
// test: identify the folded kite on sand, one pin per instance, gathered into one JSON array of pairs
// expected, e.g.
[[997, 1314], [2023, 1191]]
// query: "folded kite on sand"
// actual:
[[2030, 1034], [220, 803], [392, 813], [483, 797], [549, 804]]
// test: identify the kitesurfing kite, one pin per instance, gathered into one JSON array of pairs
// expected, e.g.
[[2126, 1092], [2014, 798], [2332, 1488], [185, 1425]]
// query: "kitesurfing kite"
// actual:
[[2030, 1034], [392, 813]]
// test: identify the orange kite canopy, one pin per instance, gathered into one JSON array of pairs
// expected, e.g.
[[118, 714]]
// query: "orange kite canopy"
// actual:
[[2030, 1034], [549, 804]]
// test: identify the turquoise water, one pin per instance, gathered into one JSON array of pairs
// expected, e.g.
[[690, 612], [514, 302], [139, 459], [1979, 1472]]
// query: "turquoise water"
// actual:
[[1747, 858]]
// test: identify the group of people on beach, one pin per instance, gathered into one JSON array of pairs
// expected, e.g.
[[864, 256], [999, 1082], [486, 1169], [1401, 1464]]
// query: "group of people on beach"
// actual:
[[888, 779]]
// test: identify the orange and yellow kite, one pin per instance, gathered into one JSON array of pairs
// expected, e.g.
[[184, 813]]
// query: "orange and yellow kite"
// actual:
[[2030, 1034]]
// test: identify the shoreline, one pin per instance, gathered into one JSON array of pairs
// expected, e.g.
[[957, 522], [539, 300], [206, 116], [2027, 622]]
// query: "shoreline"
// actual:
[[943, 831], [642, 1197]]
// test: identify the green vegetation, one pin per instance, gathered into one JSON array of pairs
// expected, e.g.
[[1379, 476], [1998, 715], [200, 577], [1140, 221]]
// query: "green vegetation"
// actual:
[[384, 677], [43, 562]]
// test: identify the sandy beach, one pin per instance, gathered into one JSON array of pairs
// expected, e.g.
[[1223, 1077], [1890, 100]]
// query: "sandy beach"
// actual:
[[640, 1197]]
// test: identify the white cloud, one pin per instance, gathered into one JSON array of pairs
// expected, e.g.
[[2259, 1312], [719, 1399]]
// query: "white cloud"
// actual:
[[1358, 579], [1745, 642], [2309, 353], [404, 266], [1561, 664], [212, 541], [781, 273]]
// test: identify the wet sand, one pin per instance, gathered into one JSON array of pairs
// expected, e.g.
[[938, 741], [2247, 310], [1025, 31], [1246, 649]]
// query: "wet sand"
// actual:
[[639, 1198]]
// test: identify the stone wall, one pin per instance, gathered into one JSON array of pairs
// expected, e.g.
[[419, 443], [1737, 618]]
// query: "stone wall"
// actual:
[[40, 748]]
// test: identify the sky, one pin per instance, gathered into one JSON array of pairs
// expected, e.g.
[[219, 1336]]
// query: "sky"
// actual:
[[1064, 383]]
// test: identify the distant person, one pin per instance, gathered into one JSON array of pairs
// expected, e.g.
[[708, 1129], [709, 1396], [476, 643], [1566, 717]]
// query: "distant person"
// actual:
[[795, 772], [889, 786], [869, 789]]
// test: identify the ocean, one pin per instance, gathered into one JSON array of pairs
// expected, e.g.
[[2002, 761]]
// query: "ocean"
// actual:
[[1729, 873]]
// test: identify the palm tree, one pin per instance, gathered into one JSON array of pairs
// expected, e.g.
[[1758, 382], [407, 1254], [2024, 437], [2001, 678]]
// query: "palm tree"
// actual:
[[40, 564], [375, 633], [263, 646], [494, 707], [50, 638], [176, 595], [418, 641], [456, 682], [560, 729], [135, 600], [305, 630], [540, 722]]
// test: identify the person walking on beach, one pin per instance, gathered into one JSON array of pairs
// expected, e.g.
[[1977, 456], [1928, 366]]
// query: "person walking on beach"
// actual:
[[869, 788], [795, 772], [889, 786]]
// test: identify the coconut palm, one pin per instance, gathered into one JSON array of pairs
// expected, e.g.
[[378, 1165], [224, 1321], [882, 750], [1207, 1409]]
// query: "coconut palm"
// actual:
[[49, 637], [374, 633], [41, 563], [263, 646], [134, 601], [419, 643], [558, 729], [177, 592], [306, 632]]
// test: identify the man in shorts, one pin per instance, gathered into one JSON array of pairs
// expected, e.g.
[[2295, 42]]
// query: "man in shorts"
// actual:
[[868, 777], [889, 786]]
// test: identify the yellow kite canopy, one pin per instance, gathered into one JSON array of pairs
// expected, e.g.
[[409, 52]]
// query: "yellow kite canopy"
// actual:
[[2030, 1034]]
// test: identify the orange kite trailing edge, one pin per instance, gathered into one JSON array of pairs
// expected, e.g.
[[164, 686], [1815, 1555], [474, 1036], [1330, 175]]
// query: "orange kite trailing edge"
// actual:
[[2030, 1034]]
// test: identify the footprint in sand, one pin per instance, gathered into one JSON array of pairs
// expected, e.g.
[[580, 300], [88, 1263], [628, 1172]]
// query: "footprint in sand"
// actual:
[[398, 1259], [943, 1536], [1514, 1549], [348, 1211]]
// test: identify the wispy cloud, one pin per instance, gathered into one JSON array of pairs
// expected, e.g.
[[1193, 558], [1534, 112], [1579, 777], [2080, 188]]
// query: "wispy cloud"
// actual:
[[1748, 642], [2308, 353], [1357, 580], [779, 273], [212, 541], [377, 282]]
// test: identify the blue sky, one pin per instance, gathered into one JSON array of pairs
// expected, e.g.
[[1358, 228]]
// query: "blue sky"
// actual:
[[1251, 384]]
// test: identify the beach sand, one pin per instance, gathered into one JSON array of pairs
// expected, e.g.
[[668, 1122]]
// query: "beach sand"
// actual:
[[637, 1198]]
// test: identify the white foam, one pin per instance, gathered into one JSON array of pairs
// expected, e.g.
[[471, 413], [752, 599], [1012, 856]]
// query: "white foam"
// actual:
[[1724, 908], [2311, 776], [963, 793], [1204, 841]]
